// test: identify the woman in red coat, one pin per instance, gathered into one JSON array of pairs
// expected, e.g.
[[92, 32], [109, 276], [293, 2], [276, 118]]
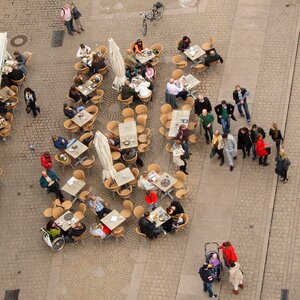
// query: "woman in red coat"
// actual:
[[229, 254], [261, 150], [151, 199], [46, 160]]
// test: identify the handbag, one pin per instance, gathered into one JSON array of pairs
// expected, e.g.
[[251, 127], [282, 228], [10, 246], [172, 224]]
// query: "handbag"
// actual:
[[268, 149]]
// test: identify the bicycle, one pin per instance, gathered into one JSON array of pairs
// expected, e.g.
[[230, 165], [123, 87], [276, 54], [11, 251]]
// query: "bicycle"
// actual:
[[155, 14]]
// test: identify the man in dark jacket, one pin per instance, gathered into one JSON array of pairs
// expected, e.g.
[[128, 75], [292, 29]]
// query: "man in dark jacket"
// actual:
[[239, 96], [225, 112], [207, 279], [244, 141], [70, 111], [184, 44], [212, 56], [177, 208], [148, 227], [201, 103], [253, 137], [183, 137]]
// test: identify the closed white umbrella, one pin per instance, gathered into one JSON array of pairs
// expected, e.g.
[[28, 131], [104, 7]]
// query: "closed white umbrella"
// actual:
[[104, 154], [117, 64]]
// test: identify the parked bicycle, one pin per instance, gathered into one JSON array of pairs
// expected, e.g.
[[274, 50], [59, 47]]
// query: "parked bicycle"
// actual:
[[155, 14]]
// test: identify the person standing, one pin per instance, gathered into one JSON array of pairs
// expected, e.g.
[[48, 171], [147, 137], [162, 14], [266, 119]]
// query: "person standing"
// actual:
[[282, 165], [225, 112], [217, 147], [30, 100], [255, 130], [236, 277], [228, 252], [262, 150], [207, 120], [49, 181], [207, 278], [151, 199], [178, 157], [183, 137], [66, 17], [201, 103], [244, 142], [240, 98], [46, 161], [276, 136], [76, 15], [230, 147]]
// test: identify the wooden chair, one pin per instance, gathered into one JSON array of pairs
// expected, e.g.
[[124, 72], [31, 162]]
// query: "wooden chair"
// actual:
[[79, 174], [179, 61], [143, 138], [102, 49], [88, 163], [154, 63], [125, 193], [141, 123], [48, 212], [67, 204], [186, 107], [71, 126], [167, 109], [113, 127], [139, 233], [116, 155], [193, 139], [181, 178], [164, 120], [128, 208], [208, 45], [190, 101], [125, 102], [146, 99], [136, 173], [9, 117], [178, 73], [5, 133], [169, 148], [85, 195], [182, 193], [63, 163], [142, 111], [15, 89], [185, 218], [57, 212], [192, 125], [138, 211], [98, 98], [85, 136], [28, 56], [159, 48], [100, 79], [80, 68], [111, 186], [19, 82], [119, 167], [118, 233], [164, 132], [79, 102], [93, 110], [128, 114], [14, 104], [89, 126], [154, 167], [104, 70], [131, 161], [79, 238], [81, 212], [144, 148], [199, 68]]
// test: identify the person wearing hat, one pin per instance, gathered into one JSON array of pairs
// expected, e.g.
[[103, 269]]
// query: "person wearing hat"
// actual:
[[236, 277], [230, 147], [207, 278]]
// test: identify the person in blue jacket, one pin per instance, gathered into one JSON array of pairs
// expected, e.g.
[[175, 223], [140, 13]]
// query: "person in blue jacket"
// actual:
[[49, 181]]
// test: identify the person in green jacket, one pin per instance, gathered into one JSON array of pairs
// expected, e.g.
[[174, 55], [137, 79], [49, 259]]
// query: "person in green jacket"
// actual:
[[207, 119], [53, 229]]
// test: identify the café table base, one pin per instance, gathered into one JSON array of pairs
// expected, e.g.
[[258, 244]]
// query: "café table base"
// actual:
[[167, 193], [80, 160]]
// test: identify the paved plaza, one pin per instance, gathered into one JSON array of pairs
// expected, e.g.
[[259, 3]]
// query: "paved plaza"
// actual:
[[258, 40]]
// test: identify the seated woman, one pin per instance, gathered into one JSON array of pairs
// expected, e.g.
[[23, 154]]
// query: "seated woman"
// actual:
[[78, 79], [184, 44], [177, 207], [53, 229], [138, 46], [71, 111], [75, 94], [97, 64], [149, 72], [100, 230]]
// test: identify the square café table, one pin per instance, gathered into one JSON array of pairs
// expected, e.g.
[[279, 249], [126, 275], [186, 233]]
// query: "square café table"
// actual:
[[88, 87], [194, 52], [167, 189], [6, 93], [128, 135], [124, 176], [73, 187], [113, 220], [75, 150], [144, 57], [179, 117], [82, 118], [159, 216], [66, 221]]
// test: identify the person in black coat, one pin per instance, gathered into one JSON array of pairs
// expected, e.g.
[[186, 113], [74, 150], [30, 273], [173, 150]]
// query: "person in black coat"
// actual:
[[98, 63], [202, 103], [212, 56], [276, 136], [239, 96], [225, 112], [70, 111], [207, 278], [244, 141], [184, 44], [177, 208], [148, 227], [127, 91], [253, 137], [30, 99]]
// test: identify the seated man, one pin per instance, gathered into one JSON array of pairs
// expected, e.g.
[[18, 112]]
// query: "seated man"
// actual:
[[177, 208], [59, 142], [53, 229], [83, 50], [76, 230], [211, 56], [176, 88], [148, 227], [127, 91], [97, 204], [71, 111], [114, 143], [145, 183], [20, 58], [97, 64], [15, 74], [184, 44], [130, 154]]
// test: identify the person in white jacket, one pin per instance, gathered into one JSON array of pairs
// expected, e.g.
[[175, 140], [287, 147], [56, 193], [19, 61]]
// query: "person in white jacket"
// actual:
[[236, 277], [230, 147], [178, 159]]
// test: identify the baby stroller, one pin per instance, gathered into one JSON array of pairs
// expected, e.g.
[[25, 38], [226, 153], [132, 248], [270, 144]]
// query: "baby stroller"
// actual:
[[55, 244], [210, 249]]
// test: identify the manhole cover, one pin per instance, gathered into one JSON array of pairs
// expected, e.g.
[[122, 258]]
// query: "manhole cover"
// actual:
[[19, 40], [11, 295], [57, 38]]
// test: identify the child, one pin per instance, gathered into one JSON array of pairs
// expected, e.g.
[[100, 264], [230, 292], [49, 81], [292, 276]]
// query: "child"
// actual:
[[214, 261]]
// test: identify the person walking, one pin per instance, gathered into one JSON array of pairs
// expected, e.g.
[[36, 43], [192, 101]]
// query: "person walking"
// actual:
[[49, 181], [262, 150], [255, 130], [183, 137], [178, 157], [207, 119], [240, 97], [201, 103], [244, 142], [236, 277], [30, 100], [217, 147], [151, 199], [282, 165], [228, 252], [225, 112], [67, 18], [76, 15], [207, 278], [276, 136], [230, 147]]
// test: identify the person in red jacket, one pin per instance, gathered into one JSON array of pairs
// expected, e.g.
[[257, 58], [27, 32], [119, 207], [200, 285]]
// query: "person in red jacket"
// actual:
[[151, 199], [46, 160], [229, 254], [262, 150]]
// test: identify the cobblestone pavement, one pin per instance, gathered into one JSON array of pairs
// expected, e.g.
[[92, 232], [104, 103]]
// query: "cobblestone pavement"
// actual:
[[103, 271]]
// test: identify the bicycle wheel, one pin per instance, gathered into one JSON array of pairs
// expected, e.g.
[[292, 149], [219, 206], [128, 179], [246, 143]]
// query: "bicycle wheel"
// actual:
[[144, 29], [160, 12]]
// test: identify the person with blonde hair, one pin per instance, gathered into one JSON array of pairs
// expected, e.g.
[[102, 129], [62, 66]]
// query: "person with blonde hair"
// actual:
[[282, 165], [276, 136]]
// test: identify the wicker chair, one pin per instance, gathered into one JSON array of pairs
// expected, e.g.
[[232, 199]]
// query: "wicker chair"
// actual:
[[179, 61], [178, 73], [102, 49], [125, 102], [80, 68], [113, 127], [28, 56]]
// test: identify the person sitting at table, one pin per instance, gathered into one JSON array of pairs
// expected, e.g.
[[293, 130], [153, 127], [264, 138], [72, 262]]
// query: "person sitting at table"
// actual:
[[184, 44], [130, 72], [71, 111], [98, 205], [178, 157], [145, 183], [3, 109], [211, 56], [46, 160], [20, 58], [149, 72], [97, 64], [148, 227], [131, 61], [138, 47], [59, 142], [114, 143], [49, 181], [100, 230], [83, 50], [176, 88], [127, 91], [143, 89], [53, 229], [78, 79], [130, 154], [177, 208], [76, 230], [15, 74]]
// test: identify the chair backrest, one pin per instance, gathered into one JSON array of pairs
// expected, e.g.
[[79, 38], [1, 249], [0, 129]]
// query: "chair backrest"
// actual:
[[147, 132], [164, 119], [79, 174], [187, 107], [135, 172], [130, 161], [85, 136], [138, 211], [138, 231], [169, 148], [177, 59], [113, 127], [180, 176], [102, 49], [104, 70], [200, 68], [190, 100], [28, 56], [185, 218], [92, 109], [89, 163], [154, 167], [165, 108], [125, 192], [57, 212], [119, 167], [118, 232], [127, 204], [141, 120], [9, 117], [15, 89], [177, 74], [82, 208], [141, 109], [127, 112]]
